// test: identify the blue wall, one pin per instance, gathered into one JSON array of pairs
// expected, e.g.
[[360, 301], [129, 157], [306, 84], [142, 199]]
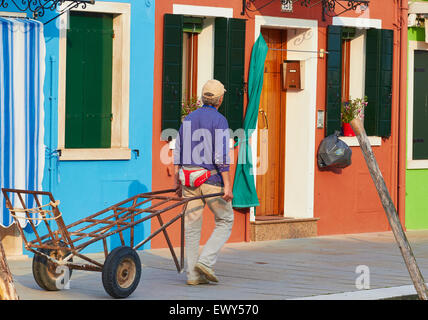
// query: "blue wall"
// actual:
[[85, 187]]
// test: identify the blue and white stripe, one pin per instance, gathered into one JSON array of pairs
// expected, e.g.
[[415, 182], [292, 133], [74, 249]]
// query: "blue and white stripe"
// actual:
[[22, 70]]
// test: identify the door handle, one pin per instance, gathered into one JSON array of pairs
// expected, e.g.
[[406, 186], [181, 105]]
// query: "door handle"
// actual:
[[265, 117]]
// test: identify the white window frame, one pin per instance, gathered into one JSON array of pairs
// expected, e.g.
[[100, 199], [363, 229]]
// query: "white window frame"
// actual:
[[206, 69], [413, 46], [119, 149], [202, 11]]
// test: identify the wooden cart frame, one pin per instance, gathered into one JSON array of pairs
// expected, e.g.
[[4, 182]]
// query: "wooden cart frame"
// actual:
[[97, 227]]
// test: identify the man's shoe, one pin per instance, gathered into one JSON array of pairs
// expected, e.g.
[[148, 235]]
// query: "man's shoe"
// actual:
[[206, 271], [197, 281]]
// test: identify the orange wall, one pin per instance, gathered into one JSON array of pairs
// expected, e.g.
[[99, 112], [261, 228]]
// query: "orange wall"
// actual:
[[346, 201], [162, 174]]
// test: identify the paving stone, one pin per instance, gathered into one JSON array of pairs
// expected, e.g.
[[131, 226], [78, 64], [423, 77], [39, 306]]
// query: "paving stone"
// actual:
[[268, 270]]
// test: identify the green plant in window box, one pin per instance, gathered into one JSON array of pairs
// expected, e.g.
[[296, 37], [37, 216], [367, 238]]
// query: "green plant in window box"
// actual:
[[352, 109], [188, 106]]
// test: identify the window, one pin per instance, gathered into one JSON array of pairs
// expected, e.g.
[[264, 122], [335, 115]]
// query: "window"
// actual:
[[191, 29], [417, 114], [420, 105], [94, 83], [187, 63], [347, 36], [348, 78]]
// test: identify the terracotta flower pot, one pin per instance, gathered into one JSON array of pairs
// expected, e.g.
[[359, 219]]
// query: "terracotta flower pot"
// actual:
[[347, 130]]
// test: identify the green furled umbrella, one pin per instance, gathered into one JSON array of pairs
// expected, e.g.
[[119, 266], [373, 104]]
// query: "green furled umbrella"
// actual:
[[244, 189]]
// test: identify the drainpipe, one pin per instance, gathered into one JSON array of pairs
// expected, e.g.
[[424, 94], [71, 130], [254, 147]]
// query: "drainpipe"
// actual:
[[402, 111], [52, 61]]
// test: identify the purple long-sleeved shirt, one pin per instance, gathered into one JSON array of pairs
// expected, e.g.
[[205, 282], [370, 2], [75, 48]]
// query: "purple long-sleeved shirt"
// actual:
[[203, 141]]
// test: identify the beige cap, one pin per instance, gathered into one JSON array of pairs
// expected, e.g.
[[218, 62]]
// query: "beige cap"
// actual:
[[213, 89]]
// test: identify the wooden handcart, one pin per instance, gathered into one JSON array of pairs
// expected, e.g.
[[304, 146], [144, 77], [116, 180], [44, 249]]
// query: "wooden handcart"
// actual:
[[54, 252]]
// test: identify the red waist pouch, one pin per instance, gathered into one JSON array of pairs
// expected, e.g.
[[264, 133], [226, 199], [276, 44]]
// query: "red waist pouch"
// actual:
[[194, 177]]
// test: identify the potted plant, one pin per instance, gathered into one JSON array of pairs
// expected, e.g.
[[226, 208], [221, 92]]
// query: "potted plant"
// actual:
[[352, 109], [188, 106]]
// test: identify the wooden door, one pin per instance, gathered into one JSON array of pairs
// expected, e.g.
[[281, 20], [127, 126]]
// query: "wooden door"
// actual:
[[271, 129]]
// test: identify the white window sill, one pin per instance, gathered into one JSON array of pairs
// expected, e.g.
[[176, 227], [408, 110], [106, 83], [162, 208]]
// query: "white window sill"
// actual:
[[353, 141], [417, 164], [95, 154]]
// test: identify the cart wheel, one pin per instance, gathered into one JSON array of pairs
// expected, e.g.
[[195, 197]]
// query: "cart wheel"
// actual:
[[46, 273], [121, 272]]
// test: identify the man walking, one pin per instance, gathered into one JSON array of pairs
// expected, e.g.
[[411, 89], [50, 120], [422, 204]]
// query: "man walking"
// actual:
[[201, 152]]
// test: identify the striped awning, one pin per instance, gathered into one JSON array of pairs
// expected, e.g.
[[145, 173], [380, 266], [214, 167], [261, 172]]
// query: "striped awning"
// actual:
[[22, 71]]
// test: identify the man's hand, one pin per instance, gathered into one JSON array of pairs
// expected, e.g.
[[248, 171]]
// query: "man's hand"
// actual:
[[179, 190], [177, 184], [228, 195]]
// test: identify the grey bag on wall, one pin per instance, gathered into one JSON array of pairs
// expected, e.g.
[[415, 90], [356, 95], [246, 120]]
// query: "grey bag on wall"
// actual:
[[334, 153]]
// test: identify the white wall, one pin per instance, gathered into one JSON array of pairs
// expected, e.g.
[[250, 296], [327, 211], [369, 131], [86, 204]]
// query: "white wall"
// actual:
[[300, 127]]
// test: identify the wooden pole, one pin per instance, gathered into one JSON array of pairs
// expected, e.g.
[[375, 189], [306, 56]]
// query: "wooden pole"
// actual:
[[390, 210], [7, 288]]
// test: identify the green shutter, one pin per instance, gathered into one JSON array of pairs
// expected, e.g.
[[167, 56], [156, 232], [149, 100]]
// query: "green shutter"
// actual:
[[378, 83], [89, 81], [229, 66], [172, 71], [334, 79], [221, 58], [385, 86], [235, 113], [371, 80]]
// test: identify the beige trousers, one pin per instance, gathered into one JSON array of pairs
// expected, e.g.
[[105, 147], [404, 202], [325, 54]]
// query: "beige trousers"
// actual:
[[223, 214]]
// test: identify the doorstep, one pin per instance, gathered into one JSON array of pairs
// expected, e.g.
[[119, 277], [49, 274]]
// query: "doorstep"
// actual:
[[277, 228]]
